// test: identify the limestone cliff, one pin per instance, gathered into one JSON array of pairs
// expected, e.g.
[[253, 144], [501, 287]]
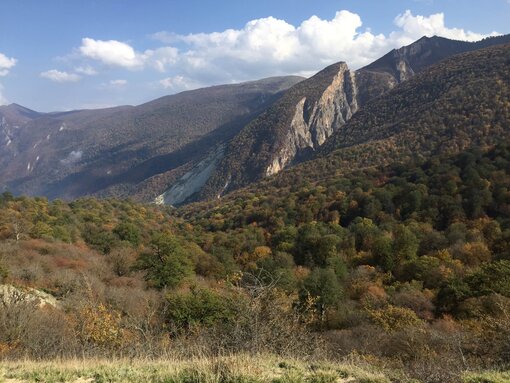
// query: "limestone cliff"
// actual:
[[314, 121]]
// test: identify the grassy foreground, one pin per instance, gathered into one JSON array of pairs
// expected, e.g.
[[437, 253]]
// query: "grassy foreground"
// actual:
[[235, 369]]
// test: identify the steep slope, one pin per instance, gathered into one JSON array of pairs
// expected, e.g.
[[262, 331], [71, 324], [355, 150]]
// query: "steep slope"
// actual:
[[301, 121], [404, 62], [110, 151], [462, 101], [297, 123], [459, 105]]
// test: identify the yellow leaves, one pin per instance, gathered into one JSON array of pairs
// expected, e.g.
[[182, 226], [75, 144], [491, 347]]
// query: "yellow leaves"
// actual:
[[248, 261], [6, 348], [392, 318], [471, 254], [99, 325], [262, 252], [235, 278], [310, 313]]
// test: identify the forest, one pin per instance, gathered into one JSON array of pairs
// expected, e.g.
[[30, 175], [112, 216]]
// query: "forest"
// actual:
[[404, 267]]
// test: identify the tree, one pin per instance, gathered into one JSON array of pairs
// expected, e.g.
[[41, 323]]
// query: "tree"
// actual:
[[167, 264], [383, 253], [128, 232], [405, 244], [199, 307], [324, 287]]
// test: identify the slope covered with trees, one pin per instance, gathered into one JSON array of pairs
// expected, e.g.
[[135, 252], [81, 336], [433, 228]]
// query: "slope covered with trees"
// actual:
[[296, 126], [460, 102], [390, 248], [414, 256]]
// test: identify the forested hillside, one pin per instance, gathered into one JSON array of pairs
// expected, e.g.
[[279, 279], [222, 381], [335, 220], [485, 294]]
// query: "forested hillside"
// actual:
[[460, 102], [403, 264], [451, 103]]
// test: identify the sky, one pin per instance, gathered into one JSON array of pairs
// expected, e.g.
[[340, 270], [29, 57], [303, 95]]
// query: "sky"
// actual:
[[74, 54]]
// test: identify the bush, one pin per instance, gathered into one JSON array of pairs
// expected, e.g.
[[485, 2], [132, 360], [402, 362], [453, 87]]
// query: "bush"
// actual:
[[196, 308]]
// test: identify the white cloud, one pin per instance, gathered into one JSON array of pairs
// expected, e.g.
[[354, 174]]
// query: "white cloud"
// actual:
[[111, 52], [162, 58], [118, 83], [6, 64], [178, 84], [271, 46], [58, 76], [264, 47], [414, 27], [86, 70]]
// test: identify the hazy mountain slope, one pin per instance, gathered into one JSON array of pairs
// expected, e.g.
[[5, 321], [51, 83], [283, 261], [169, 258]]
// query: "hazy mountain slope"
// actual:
[[70, 154], [301, 121]]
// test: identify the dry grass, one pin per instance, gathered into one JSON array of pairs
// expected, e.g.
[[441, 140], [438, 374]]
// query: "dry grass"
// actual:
[[234, 369], [487, 377], [228, 369]]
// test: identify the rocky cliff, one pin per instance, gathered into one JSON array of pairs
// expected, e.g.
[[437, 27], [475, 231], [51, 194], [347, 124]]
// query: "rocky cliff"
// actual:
[[310, 112], [315, 120]]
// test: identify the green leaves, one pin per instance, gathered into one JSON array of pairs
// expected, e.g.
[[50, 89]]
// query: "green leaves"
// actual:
[[167, 264]]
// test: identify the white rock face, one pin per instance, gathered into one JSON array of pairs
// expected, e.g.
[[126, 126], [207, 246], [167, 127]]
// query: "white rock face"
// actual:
[[313, 124], [404, 70], [10, 295], [192, 181], [299, 137]]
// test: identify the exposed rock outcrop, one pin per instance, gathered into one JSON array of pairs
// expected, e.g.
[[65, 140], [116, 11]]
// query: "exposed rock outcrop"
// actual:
[[313, 122], [10, 295], [191, 182]]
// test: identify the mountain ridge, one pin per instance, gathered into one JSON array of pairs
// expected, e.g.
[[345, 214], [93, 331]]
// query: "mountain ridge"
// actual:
[[75, 153], [274, 141]]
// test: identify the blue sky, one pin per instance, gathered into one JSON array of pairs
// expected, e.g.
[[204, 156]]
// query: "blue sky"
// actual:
[[69, 54]]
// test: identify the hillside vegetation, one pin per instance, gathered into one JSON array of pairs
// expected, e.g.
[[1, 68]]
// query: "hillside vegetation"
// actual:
[[127, 150], [460, 102], [455, 96], [390, 252], [405, 266]]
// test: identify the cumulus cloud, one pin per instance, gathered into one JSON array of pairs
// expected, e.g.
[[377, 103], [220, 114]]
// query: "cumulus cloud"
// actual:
[[414, 27], [271, 46], [267, 47], [6, 63], [58, 76], [162, 58], [111, 52], [178, 83]]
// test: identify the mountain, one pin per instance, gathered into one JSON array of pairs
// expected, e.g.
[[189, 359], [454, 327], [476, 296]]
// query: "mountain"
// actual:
[[404, 62], [458, 104], [119, 151], [458, 109], [204, 143], [302, 120]]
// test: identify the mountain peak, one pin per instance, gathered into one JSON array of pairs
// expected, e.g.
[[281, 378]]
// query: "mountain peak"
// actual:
[[18, 113]]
